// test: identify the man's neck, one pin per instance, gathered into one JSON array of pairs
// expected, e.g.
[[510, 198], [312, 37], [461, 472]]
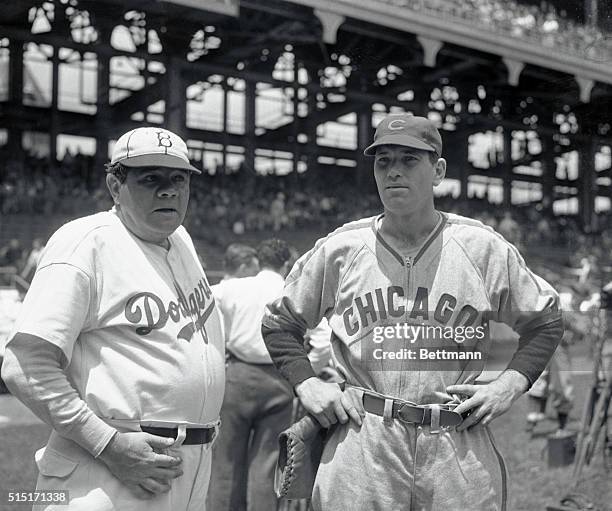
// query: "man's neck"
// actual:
[[157, 240], [410, 229]]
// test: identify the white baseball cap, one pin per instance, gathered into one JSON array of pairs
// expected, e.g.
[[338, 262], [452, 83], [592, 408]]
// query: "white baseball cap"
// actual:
[[152, 147]]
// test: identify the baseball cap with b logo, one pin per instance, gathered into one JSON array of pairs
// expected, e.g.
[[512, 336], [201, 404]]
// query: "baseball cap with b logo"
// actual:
[[406, 130], [152, 147]]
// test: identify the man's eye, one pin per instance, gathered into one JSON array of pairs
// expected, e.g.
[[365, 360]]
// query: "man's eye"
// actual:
[[179, 178], [149, 179], [382, 161]]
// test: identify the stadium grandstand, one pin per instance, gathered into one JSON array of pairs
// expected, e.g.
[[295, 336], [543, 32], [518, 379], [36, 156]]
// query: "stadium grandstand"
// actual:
[[278, 99]]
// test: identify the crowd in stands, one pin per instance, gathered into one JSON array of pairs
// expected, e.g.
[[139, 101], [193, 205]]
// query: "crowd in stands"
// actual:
[[273, 204], [543, 24], [30, 185], [243, 203]]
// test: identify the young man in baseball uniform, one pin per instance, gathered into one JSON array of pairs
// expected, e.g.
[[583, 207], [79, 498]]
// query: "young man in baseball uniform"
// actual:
[[119, 344], [408, 295]]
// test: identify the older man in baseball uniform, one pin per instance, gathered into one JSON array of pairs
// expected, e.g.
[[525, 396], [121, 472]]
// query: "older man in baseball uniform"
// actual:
[[408, 295], [119, 344]]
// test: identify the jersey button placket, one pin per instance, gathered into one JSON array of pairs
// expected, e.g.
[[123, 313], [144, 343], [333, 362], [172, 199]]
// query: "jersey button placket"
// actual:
[[174, 263], [408, 265]]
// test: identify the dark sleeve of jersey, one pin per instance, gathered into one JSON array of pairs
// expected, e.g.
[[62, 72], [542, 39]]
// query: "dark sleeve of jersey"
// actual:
[[288, 354], [537, 343]]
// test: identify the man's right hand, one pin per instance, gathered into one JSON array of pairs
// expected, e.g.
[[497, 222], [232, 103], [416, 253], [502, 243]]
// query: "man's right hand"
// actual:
[[134, 458], [328, 404]]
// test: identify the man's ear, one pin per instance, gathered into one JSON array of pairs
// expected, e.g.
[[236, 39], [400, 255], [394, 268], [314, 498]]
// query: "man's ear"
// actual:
[[439, 171], [113, 184]]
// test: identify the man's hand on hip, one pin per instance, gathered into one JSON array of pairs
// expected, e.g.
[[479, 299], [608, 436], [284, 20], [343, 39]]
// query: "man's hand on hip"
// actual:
[[491, 400], [328, 403], [134, 458]]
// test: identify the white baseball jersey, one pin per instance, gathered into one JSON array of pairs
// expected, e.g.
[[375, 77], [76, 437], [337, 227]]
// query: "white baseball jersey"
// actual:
[[242, 303], [461, 276], [137, 323]]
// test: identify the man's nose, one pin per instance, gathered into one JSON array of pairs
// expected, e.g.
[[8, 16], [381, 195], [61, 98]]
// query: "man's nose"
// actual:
[[168, 190], [394, 171]]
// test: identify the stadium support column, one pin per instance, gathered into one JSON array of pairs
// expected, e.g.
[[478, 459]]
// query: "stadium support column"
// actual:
[[462, 161], [507, 167], [587, 185], [364, 138], [310, 126], [249, 126], [297, 122], [549, 170], [103, 122], [225, 87], [464, 130], [15, 132], [53, 128], [176, 97], [591, 12]]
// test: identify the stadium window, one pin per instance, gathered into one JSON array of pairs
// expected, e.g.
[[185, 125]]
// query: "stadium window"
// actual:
[[205, 109], [448, 187], [566, 206], [483, 187], [526, 193], [602, 204], [72, 145], [37, 75]]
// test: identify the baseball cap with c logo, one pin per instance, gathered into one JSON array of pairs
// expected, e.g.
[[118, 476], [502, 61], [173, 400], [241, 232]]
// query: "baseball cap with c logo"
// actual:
[[406, 130]]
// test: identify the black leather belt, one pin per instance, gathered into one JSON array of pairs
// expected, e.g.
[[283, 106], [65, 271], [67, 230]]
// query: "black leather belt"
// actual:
[[193, 436], [410, 413]]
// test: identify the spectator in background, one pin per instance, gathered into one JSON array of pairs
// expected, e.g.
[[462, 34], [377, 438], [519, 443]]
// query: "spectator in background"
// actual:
[[555, 383], [32, 261], [11, 253], [11, 256], [277, 212], [240, 261], [587, 264], [258, 402], [509, 228], [27, 274], [543, 229]]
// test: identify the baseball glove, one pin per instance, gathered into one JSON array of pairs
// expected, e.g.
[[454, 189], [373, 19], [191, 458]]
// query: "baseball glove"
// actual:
[[300, 449]]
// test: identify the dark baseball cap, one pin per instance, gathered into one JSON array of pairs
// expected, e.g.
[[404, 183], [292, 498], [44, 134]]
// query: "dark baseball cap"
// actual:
[[406, 130]]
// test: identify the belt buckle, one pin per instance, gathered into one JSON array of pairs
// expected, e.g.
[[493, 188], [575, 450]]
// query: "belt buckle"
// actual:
[[405, 419]]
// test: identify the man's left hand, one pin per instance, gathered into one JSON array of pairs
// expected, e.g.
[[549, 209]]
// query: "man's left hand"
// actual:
[[489, 401]]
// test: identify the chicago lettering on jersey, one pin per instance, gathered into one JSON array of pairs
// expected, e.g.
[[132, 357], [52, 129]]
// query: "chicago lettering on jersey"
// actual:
[[381, 305], [149, 307]]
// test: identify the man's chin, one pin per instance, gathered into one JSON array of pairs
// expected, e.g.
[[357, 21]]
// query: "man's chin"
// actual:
[[400, 206], [166, 226]]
